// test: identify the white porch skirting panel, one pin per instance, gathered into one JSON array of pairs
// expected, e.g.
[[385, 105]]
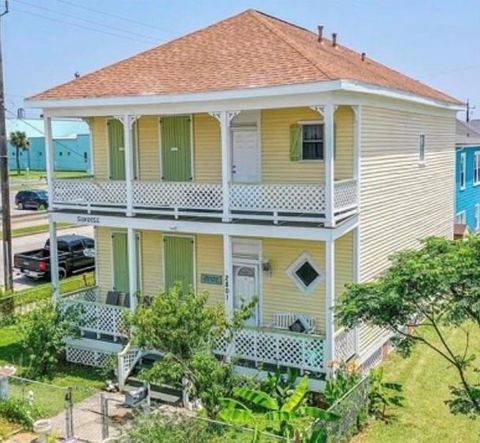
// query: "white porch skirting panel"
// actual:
[[280, 348], [345, 345], [302, 202]]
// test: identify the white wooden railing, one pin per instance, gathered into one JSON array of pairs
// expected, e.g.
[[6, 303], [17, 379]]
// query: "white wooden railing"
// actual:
[[277, 202], [127, 359], [98, 318], [276, 347]]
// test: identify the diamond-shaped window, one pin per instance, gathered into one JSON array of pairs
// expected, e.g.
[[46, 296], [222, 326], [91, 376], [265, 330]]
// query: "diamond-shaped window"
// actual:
[[305, 273]]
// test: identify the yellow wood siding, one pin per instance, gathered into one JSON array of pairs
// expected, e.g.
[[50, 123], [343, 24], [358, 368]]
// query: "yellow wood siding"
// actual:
[[276, 164], [401, 200], [100, 148], [104, 259], [148, 150], [280, 294], [151, 261], [207, 151], [209, 259], [343, 263]]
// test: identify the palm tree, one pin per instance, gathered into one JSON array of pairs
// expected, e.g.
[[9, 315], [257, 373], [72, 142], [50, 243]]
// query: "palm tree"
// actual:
[[19, 140]]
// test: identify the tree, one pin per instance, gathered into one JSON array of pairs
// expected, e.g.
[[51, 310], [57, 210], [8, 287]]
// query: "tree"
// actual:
[[182, 325], [20, 141], [43, 332], [437, 287]]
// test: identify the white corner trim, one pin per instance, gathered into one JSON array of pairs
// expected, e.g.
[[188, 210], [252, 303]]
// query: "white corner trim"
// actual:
[[291, 272]]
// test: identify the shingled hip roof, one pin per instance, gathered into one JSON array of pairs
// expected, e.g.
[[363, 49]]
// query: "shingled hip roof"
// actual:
[[249, 50]]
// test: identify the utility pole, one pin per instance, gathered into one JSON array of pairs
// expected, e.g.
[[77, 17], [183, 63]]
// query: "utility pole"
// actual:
[[469, 110], [6, 222]]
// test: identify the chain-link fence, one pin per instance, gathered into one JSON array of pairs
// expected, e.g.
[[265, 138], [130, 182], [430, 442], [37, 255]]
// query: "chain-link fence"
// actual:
[[351, 410]]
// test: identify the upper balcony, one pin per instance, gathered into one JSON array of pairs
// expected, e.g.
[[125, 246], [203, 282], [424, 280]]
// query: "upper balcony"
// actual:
[[275, 165], [276, 202]]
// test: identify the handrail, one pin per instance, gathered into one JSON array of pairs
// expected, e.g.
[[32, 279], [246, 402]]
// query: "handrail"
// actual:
[[123, 372]]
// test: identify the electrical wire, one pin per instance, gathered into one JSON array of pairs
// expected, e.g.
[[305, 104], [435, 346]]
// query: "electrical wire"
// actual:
[[43, 134], [80, 26], [108, 14], [76, 17]]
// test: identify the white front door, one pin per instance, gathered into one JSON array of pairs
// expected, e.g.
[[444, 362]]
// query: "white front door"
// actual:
[[245, 288], [245, 159]]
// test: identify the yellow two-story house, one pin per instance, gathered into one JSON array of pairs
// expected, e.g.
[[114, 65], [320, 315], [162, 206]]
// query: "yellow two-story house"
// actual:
[[252, 158]]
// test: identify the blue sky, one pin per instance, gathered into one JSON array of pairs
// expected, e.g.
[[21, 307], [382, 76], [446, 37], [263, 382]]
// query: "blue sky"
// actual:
[[46, 42]]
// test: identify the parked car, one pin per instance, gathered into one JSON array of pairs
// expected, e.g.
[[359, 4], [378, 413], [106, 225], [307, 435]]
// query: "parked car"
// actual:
[[75, 255], [32, 199]]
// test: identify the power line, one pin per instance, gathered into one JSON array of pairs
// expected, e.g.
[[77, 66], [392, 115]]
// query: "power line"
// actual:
[[43, 133], [80, 26], [108, 14], [76, 17]]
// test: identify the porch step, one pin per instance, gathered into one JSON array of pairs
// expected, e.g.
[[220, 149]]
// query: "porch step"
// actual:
[[158, 393]]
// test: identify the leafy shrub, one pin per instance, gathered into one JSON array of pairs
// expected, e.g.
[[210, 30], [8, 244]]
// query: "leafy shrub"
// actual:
[[382, 394], [42, 335], [280, 386], [347, 375], [153, 428], [19, 411]]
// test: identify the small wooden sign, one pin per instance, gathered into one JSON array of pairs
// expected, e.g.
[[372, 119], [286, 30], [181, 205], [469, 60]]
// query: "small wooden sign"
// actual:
[[211, 279]]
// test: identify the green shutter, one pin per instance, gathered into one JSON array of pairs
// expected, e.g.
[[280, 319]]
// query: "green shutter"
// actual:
[[116, 149], [120, 262], [295, 142], [178, 253], [176, 148]]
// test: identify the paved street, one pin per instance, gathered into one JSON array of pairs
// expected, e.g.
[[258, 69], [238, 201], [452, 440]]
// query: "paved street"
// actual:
[[35, 241]]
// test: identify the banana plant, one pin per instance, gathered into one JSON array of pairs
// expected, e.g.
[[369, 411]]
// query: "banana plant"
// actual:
[[250, 405]]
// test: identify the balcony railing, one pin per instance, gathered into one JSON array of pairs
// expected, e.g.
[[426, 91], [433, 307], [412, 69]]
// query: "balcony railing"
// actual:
[[276, 202], [276, 347]]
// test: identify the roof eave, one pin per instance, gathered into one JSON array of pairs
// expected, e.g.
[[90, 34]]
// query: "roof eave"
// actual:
[[245, 93]]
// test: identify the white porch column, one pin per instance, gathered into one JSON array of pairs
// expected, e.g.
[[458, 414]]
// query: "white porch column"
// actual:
[[49, 158], [225, 117], [54, 259], [132, 267], [329, 303], [329, 144], [128, 120], [228, 275]]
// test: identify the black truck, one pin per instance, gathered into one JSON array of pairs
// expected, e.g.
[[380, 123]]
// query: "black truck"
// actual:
[[75, 254]]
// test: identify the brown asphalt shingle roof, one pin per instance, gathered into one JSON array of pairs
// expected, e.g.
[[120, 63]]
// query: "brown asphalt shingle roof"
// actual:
[[249, 50]]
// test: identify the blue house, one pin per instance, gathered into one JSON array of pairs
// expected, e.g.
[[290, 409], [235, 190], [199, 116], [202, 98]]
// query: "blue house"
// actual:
[[71, 139], [467, 199]]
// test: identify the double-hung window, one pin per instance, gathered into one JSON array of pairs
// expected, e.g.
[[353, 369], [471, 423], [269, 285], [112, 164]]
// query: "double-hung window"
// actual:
[[463, 170], [312, 141], [476, 168]]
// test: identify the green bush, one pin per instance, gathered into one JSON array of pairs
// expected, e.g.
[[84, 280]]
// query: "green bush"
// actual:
[[19, 411], [153, 428]]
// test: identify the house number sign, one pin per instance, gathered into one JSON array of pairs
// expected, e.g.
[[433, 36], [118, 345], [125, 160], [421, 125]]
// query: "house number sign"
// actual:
[[211, 279]]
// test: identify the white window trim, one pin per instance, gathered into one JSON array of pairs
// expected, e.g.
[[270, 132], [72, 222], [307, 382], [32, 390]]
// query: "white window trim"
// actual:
[[463, 171], [477, 217], [303, 123], [291, 272], [476, 168], [463, 216]]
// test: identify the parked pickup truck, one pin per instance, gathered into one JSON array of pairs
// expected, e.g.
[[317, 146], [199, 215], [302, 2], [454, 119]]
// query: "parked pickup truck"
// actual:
[[75, 254]]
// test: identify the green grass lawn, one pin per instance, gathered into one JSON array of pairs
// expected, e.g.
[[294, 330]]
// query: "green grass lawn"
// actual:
[[425, 417], [38, 175], [37, 229], [84, 380]]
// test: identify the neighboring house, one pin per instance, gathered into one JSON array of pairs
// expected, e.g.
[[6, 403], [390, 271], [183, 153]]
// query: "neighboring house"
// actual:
[[71, 142], [253, 158], [467, 193]]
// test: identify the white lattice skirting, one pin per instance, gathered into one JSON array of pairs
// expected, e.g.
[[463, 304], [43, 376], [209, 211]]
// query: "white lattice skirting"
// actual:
[[345, 345], [301, 351], [87, 357]]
